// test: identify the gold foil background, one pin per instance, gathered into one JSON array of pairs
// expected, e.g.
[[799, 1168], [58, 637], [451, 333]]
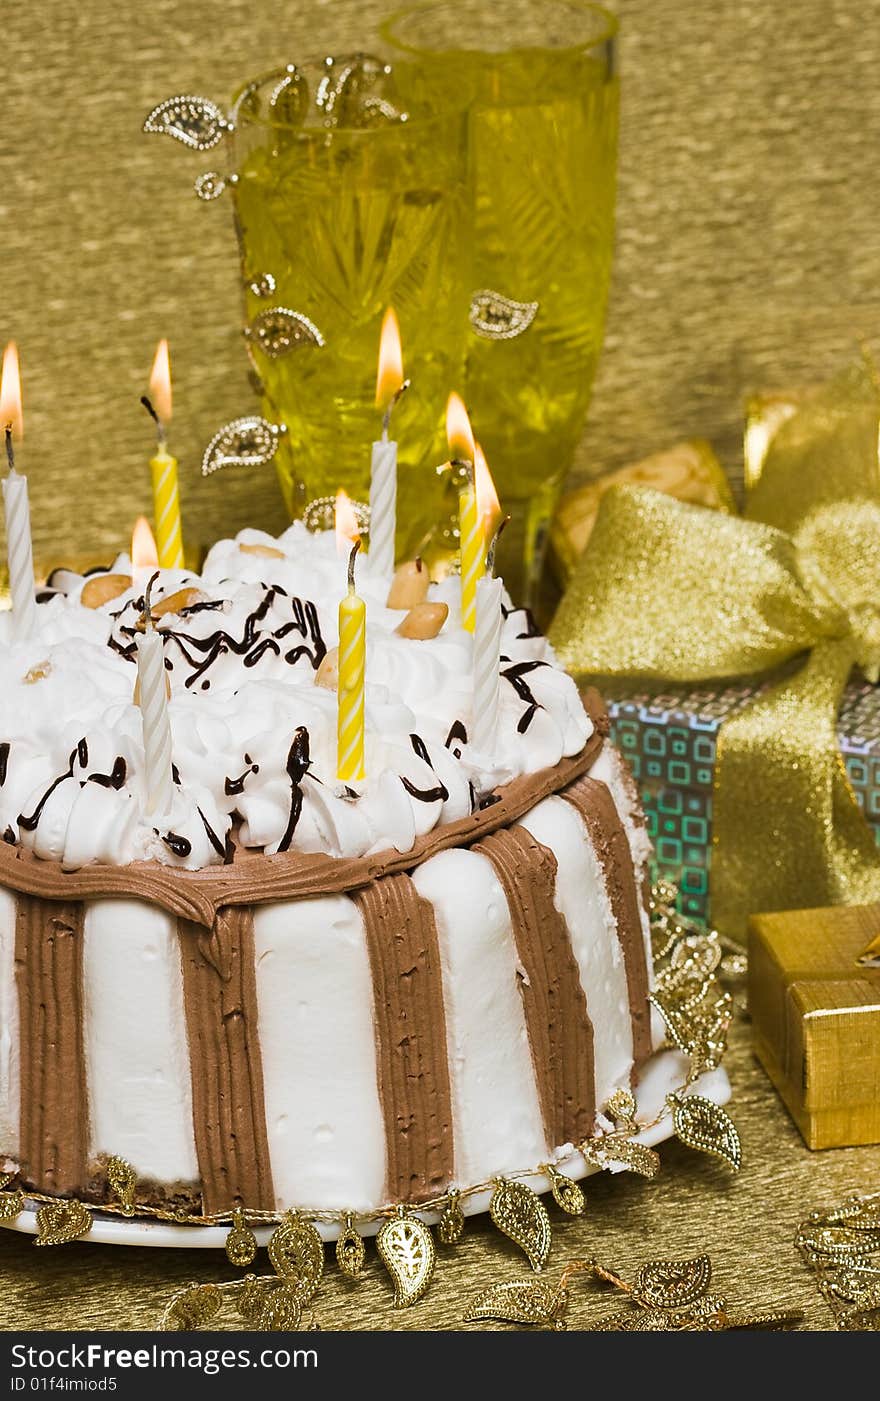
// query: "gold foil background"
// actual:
[[747, 245]]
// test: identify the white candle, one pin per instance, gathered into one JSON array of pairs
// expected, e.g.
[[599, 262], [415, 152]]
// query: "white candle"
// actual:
[[19, 548], [154, 715], [383, 505], [390, 384], [487, 664], [19, 551]]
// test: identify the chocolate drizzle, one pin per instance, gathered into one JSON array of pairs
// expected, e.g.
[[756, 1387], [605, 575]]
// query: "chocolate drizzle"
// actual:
[[200, 653], [298, 762], [180, 846], [4, 761], [114, 779], [232, 787], [457, 734], [440, 792], [515, 674]]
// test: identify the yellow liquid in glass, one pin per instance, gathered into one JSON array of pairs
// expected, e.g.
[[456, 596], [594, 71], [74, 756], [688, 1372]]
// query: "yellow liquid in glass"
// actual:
[[348, 222], [543, 150]]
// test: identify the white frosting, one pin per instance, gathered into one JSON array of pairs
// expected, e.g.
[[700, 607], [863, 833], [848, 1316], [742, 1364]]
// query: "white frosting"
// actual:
[[136, 1051], [582, 899], [317, 1037], [243, 723], [9, 1042], [497, 1119]]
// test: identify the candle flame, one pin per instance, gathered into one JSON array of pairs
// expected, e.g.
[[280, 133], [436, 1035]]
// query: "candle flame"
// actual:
[[347, 529], [144, 554], [390, 373], [488, 505], [459, 434], [160, 382], [10, 393]]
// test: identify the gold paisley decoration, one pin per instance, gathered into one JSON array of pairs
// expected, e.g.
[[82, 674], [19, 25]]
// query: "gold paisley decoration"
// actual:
[[566, 1193], [297, 1254], [6, 1178], [495, 317], [192, 1307], [122, 1181], [196, 122], [250, 441], [240, 1243], [450, 1228], [521, 1215], [350, 1251], [59, 1223], [406, 1248], [278, 330], [621, 1108], [673, 1284], [270, 1306], [520, 1301], [11, 1205], [702, 1125], [619, 1151]]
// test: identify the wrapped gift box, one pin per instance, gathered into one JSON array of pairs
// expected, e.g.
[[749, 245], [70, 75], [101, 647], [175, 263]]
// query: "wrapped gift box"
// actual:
[[669, 741], [816, 1019]]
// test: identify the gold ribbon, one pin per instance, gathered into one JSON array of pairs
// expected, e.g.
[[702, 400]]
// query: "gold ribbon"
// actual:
[[668, 592]]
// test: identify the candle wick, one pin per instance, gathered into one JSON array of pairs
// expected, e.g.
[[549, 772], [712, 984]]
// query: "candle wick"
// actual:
[[147, 615], [161, 438], [465, 464], [490, 557], [10, 453], [351, 559], [386, 417]]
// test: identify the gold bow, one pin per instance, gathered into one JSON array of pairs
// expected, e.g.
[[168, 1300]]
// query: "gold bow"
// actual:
[[675, 593]]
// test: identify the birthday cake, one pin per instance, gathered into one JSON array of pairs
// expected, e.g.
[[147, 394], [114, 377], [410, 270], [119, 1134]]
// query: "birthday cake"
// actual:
[[284, 989]]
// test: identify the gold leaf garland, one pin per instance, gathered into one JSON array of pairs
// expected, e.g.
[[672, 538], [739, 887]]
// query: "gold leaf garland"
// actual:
[[296, 1252], [450, 1227], [519, 1213], [842, 1248], [60, 1222], [351, 1253], [566, 1192], [122, 1181], [520, 1301], [702, 1124], [406, 1248], [666, 1296], [241, 1243]]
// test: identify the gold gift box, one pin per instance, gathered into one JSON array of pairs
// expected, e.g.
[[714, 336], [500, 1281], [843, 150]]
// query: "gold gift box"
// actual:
[[689, 471], [816, 1019]]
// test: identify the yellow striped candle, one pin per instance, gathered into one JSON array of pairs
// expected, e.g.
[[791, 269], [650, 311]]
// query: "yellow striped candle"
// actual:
[[473, 550], [350, 688], [166, 498], [472, 547]]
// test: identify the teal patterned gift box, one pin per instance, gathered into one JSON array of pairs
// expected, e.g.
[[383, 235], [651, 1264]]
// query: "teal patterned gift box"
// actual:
[[669, 742]]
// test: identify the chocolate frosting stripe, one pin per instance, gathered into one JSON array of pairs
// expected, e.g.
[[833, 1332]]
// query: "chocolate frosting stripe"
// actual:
[[411, 1038], [597, 808], [229, 1114], [253, 878], [558, 1024], [54, 1103]]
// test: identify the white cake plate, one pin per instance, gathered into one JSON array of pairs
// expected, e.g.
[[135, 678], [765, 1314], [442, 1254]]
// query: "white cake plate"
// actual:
[[664, 1073]]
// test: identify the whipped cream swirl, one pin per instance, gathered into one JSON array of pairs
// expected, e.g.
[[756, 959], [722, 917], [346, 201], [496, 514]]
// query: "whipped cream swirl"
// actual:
[[254, 736]]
